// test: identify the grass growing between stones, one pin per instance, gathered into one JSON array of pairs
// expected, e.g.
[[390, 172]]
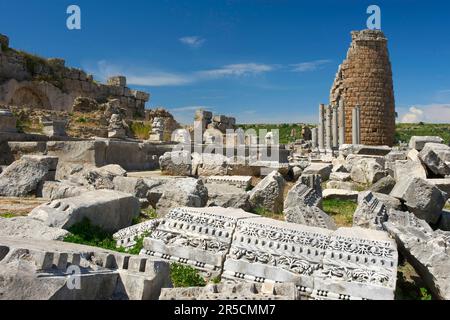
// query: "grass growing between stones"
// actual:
[[409, 285], [268, 214], [146, 215], [7, 215], [185, 276], [140, 130], [88, 234], [341, 210]]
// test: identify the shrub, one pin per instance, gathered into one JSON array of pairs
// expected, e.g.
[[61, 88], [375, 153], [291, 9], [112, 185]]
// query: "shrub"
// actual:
[[185, 276], [141, 130], [216, 280]]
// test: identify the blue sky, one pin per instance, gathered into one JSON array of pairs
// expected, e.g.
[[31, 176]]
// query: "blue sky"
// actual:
[[259, 60]]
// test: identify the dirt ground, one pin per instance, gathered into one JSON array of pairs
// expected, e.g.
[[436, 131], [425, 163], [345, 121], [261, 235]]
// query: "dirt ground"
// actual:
[[19, 206]]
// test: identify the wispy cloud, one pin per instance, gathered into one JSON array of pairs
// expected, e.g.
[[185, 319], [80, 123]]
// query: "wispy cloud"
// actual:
[[192, 41], [150, 78], [430, 113], [309, 65], [158, 78], [240, 69], [191, 108]]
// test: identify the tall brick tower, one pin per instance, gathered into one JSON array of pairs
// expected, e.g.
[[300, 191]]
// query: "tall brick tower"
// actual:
[[365, 79]]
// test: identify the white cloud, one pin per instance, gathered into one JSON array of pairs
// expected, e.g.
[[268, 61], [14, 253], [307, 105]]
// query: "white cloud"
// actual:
[[240, 69], [413, 116], [150, 78], [192, 41], [431, 113], [157, 78], [190, 108], [309, 66]]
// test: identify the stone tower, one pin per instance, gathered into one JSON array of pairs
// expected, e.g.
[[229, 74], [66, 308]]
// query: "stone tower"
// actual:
[[365, 79]]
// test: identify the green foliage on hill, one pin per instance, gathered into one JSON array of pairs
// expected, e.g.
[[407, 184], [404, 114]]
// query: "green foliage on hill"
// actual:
[[404, 131], [285, 130]]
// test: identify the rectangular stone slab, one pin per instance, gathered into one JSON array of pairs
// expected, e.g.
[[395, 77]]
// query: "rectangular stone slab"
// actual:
[[358, 263], [266, 250], [350, 263], [196, 236]]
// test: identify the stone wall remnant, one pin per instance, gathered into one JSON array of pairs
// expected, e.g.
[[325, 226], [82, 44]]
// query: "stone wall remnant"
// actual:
[[21, 76], [365, 79]]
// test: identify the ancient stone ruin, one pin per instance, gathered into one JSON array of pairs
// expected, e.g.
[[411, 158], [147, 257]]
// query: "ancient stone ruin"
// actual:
[[364, 80], [338, 214], [21, 76]]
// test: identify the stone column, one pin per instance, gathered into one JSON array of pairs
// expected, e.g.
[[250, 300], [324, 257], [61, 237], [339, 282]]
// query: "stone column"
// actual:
[[358, 123], [335, 127], [341, 122], [354, 126], [320, 136], [328, 133], [314, 137]]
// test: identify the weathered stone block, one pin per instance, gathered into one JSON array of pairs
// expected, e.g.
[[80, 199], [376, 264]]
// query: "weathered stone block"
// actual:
[[23, 177], [384, 185], [324, 169], [436, 157], [340, 194], [422, 198], [268, 194], [418, 142], [367, 171], [200, 237], [370, 213], [176, 163], [344, 264], [408, 168], [238, 291], [110, 210], [425, 249]]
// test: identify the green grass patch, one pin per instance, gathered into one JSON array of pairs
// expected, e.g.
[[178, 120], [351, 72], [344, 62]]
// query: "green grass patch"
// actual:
[[216, 280], [146, 215], [81, 120], [140, 130], [341, 210], [7, 215], [139, 245], [185, 276], [86, 233]]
